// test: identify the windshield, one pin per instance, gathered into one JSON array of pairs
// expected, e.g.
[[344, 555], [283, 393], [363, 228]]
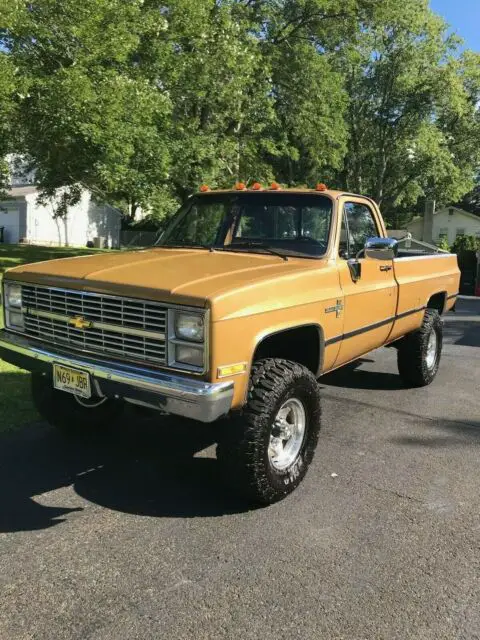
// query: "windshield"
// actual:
[[291, 223]]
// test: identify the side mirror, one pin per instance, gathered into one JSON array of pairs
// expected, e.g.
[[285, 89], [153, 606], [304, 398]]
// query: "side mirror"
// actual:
[[381, 248]]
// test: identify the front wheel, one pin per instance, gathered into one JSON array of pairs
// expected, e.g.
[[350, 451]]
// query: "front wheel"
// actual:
[[419, 352], [69, 413], [266, 450]]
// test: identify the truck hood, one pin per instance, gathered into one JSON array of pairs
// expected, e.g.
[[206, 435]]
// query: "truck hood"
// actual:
[[182, 276]]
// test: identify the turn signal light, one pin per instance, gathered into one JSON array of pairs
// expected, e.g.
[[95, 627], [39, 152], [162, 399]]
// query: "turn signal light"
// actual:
[[256, 186], [240, 186], [321, 187], [231, 369], [204, 187], [274, 186]]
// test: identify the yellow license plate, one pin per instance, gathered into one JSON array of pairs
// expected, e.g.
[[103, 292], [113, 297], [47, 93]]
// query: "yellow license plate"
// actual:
[[71, 381]]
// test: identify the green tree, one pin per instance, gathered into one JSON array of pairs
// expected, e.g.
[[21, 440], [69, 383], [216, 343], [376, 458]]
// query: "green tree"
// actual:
[[88, 116], [254, 94], [466, 243], [303, 41], [141, 101], [7, 119], [220, 94], [11, 87], [413, 116], [471, 201], [443, 244]]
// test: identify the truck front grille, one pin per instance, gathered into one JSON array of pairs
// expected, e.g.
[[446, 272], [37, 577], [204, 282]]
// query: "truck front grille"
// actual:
[[123, 327]]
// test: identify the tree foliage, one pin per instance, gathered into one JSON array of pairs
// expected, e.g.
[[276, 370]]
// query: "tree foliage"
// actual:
[[466, 243], [471, 201], [413, 111], [9, 88], [141, 101]]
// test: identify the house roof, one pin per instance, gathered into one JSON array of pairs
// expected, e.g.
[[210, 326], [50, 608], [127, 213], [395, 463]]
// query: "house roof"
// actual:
[[20, 192], [397, 234], [461, 212]]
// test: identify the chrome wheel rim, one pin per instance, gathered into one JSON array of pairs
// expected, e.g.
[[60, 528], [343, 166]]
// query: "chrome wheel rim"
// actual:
[[287, 434], [431, 350]]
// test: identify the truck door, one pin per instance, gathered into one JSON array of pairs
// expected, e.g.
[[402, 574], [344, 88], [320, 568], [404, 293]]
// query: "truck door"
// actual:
[[371, 300]]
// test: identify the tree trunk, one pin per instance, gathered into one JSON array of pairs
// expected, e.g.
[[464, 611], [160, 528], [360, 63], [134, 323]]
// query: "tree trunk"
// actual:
[[238, 158], [382, 167], [65, 225], [356, 163], [132, 209]]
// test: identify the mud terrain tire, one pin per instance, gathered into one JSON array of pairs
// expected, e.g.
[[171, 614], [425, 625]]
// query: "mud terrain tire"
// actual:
[[254, 451], [419, 352]]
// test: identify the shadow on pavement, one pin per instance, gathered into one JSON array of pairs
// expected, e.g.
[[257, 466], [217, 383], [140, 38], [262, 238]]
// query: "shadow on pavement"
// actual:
[[456, 433], [463, 327], [351, 377], [465, 333], [145, 467]]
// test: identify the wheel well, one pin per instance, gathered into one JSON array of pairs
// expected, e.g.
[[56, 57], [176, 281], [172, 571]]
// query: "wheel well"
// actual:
[[300, 344], [437, 302]]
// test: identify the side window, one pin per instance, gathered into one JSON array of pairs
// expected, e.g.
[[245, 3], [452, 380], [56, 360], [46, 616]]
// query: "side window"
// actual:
[[358, 224]]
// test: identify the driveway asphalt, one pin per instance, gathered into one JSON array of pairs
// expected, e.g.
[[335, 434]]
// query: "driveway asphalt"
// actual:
[[136, 536]]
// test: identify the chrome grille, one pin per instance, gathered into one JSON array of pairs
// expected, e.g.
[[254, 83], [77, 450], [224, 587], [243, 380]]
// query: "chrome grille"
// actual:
[[132, 329]]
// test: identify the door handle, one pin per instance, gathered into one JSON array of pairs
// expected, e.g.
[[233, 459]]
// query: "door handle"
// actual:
[[385, 267]]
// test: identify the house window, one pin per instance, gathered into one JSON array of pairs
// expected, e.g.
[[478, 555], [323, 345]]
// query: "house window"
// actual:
[[443, 233], [460, 232]]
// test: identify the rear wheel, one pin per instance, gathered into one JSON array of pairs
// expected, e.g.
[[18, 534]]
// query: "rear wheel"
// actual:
[[266, 450], [70, 413], [419, 352]]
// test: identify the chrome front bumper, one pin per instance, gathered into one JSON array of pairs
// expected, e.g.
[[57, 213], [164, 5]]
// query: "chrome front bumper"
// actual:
[[175, 394]]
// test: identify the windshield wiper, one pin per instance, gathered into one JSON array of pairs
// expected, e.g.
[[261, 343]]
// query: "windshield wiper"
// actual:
[[196, 245], [255, 245]]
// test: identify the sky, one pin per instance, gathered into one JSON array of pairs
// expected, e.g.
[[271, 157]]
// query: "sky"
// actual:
[[464, 18]]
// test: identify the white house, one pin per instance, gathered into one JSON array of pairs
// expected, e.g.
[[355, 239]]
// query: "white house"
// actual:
[[449, 223], [24, 220]]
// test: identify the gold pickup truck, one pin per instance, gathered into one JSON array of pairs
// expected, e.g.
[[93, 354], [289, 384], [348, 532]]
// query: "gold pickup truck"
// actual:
[[249, 296]]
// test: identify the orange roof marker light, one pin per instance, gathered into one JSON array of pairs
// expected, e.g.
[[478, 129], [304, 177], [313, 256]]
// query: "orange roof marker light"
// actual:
[[240, 186], [256, 186], [321, 187], [204, 188], [275, 186]]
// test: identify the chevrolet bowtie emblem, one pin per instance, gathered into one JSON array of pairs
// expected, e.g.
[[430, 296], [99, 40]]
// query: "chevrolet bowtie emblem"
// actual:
[[80, 323]]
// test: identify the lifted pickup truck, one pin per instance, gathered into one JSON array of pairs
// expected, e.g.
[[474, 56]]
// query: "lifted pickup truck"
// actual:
[[246, 300]]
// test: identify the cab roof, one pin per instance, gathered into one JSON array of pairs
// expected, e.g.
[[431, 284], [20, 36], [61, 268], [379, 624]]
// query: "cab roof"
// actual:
[[333, 193]]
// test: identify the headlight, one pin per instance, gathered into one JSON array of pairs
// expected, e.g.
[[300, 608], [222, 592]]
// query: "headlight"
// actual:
[[14, 319], [189, 355], [13, 296], [12, 300], [187, 339], [189, 326]]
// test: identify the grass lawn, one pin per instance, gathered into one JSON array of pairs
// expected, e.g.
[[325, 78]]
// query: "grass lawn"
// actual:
[[16, 407]]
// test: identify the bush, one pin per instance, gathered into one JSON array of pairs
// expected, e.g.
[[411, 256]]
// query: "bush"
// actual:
[[443, 244], [465, 243]]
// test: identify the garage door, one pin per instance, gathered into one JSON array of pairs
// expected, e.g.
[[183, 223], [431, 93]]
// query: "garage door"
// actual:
[[10, 222]]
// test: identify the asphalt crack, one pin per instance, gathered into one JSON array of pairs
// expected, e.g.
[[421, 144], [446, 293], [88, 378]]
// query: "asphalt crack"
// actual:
[[404, 496]]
